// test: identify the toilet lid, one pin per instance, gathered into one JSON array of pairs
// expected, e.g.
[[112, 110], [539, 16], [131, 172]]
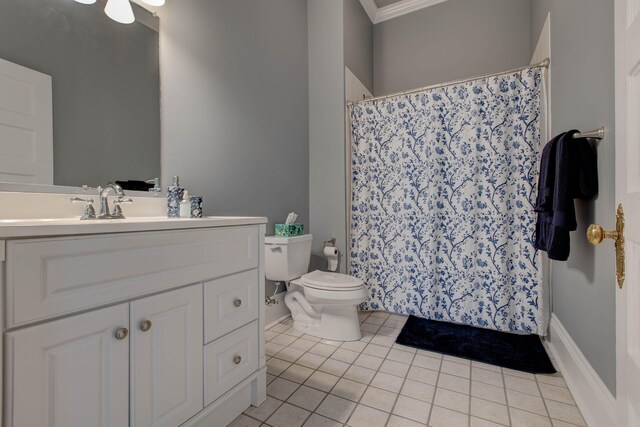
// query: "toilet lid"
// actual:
[[332, 281]]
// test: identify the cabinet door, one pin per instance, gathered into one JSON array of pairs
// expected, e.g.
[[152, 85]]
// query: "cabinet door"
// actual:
[[72, 372], [166, 358]]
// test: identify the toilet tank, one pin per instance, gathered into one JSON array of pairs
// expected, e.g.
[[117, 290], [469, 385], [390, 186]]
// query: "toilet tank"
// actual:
[[286, 258]]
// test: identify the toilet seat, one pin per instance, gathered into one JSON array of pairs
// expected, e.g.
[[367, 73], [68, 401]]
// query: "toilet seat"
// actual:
[[328, 281]]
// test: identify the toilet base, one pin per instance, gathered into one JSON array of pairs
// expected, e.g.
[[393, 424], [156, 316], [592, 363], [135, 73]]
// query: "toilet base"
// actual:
[[337, 324]]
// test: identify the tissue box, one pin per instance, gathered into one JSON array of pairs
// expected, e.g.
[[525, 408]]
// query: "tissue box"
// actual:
[[289, 230]]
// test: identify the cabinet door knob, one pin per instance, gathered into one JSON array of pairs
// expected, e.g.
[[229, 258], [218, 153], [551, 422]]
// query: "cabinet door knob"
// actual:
[[122, 333], [237, 360], [237, 302], [145, 325]]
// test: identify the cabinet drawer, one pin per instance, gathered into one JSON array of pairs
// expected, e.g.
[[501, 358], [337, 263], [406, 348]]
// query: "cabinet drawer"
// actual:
[[229, 360], [230, 302], [51, 277]]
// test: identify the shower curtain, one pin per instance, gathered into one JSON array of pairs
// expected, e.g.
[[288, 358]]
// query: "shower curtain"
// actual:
[[443, 186]]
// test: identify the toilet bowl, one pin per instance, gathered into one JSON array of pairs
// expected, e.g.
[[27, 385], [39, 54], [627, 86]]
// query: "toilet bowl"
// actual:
[[322, 304]]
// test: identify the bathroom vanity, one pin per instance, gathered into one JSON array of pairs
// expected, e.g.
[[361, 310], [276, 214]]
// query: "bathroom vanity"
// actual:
[[136, 322]]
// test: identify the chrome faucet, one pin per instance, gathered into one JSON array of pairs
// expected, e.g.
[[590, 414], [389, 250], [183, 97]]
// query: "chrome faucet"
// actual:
[[104, 201]]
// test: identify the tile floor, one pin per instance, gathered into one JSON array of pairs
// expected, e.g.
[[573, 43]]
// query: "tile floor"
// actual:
[[375, 382]]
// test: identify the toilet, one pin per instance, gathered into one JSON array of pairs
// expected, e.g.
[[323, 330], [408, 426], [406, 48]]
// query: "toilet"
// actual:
[[322, 304]]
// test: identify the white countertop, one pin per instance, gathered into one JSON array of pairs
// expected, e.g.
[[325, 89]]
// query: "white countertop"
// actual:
[[17, 228]]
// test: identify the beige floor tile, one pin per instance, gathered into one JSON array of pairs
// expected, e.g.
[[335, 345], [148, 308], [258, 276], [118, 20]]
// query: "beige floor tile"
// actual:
[[244, 421], [271, 348], [344, 355], [486, 376], [311, 338], [383, 340], [311, 360], [418, 390], [322, 349], [334, 367], [452, 400], [376, 350], [413, 409], [521, 418], [360, 374], [428, 362], [387, 382], [288, 415], [395, 323], [382, 314], [479, 422], [270, 378], [368, 361], [369, 327], [488, 392], [455, 359], [553, 379], [558, 423], [293, 332], [396, 421], [269, 335], [490, 411], [401, 356], [458, 369], [302, 344], [297, 373], [443, 417], [405, 348], [378, 398], [431, 354], [307, 398], [265, 410], [281, 389], [526, 402], [356, 346], [332, 343], [525, 375], [375, 320], [289, 354], [316, 420], [364, 416], [486, 366], [279, 328], [389, 332], [454, 383], [392, 367], [559, 394], [283, 339], [349, 389], [322, 381], [522, 385], [563, 412], [277, 366], [336, 408], [423, 375]]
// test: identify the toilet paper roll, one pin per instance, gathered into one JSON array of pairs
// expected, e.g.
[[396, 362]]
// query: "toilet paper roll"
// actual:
[[330, 251]]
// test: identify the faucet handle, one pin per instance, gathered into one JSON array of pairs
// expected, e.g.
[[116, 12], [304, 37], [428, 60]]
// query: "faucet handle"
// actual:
[[89, 212], [117, 210]]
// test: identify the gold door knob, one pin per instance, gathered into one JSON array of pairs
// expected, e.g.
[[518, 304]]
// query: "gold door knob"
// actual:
[[122, 333], [596, 234], [145, 325], [237, 302], [237, 360]]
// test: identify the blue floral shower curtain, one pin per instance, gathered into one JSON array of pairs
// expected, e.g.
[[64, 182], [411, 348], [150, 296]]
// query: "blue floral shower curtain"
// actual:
[[443, 185]]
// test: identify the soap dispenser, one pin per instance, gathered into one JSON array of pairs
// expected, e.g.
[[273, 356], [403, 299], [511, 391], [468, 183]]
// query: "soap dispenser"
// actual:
[[174, 197], [185, 206]]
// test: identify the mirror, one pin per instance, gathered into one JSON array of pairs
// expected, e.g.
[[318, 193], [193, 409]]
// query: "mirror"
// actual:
[[105, 92]]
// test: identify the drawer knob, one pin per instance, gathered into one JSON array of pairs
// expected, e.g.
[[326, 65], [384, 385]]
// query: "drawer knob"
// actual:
[[145, 325], [237, 302], [237, 360], [122, 333]]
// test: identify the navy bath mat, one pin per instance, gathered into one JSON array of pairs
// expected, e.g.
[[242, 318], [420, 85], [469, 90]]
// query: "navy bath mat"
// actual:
[[520, 352]]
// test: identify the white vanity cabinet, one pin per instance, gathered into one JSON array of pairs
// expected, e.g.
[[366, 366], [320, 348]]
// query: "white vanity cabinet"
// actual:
[[158, 328]]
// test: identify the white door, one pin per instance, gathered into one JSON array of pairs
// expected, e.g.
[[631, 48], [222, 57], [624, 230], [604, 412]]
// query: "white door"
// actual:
[[166, 358], [627, 24], [72, 372], [26, 125]]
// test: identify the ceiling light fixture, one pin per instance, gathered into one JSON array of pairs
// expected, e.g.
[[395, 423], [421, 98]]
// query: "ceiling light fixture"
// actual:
[[86, 1], [120, 11]]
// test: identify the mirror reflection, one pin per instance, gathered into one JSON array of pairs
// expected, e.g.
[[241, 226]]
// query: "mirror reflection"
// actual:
[[79, 94]]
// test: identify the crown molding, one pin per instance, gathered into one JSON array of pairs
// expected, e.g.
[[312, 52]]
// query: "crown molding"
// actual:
[[380, 14]]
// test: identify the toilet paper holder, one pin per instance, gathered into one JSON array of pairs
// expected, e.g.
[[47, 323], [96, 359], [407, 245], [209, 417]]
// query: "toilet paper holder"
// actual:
[[330, 242]]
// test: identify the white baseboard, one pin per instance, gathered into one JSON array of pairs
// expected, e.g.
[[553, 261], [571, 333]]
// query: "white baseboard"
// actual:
[[276, 313], [597, 404]]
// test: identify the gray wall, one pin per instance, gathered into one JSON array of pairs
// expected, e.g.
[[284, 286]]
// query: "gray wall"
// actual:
[[582, 97], [106, 86], [327, 184], [448, 41], [235, 121], [358, 42]]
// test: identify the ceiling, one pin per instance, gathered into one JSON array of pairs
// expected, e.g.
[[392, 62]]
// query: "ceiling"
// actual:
[[383, 10]]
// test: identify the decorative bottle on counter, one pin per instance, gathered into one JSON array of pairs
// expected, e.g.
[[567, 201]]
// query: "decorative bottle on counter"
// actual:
[[185, 205], [174, 197]]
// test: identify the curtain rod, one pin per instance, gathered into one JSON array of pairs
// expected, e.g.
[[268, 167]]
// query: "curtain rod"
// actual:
[[543, 64]]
